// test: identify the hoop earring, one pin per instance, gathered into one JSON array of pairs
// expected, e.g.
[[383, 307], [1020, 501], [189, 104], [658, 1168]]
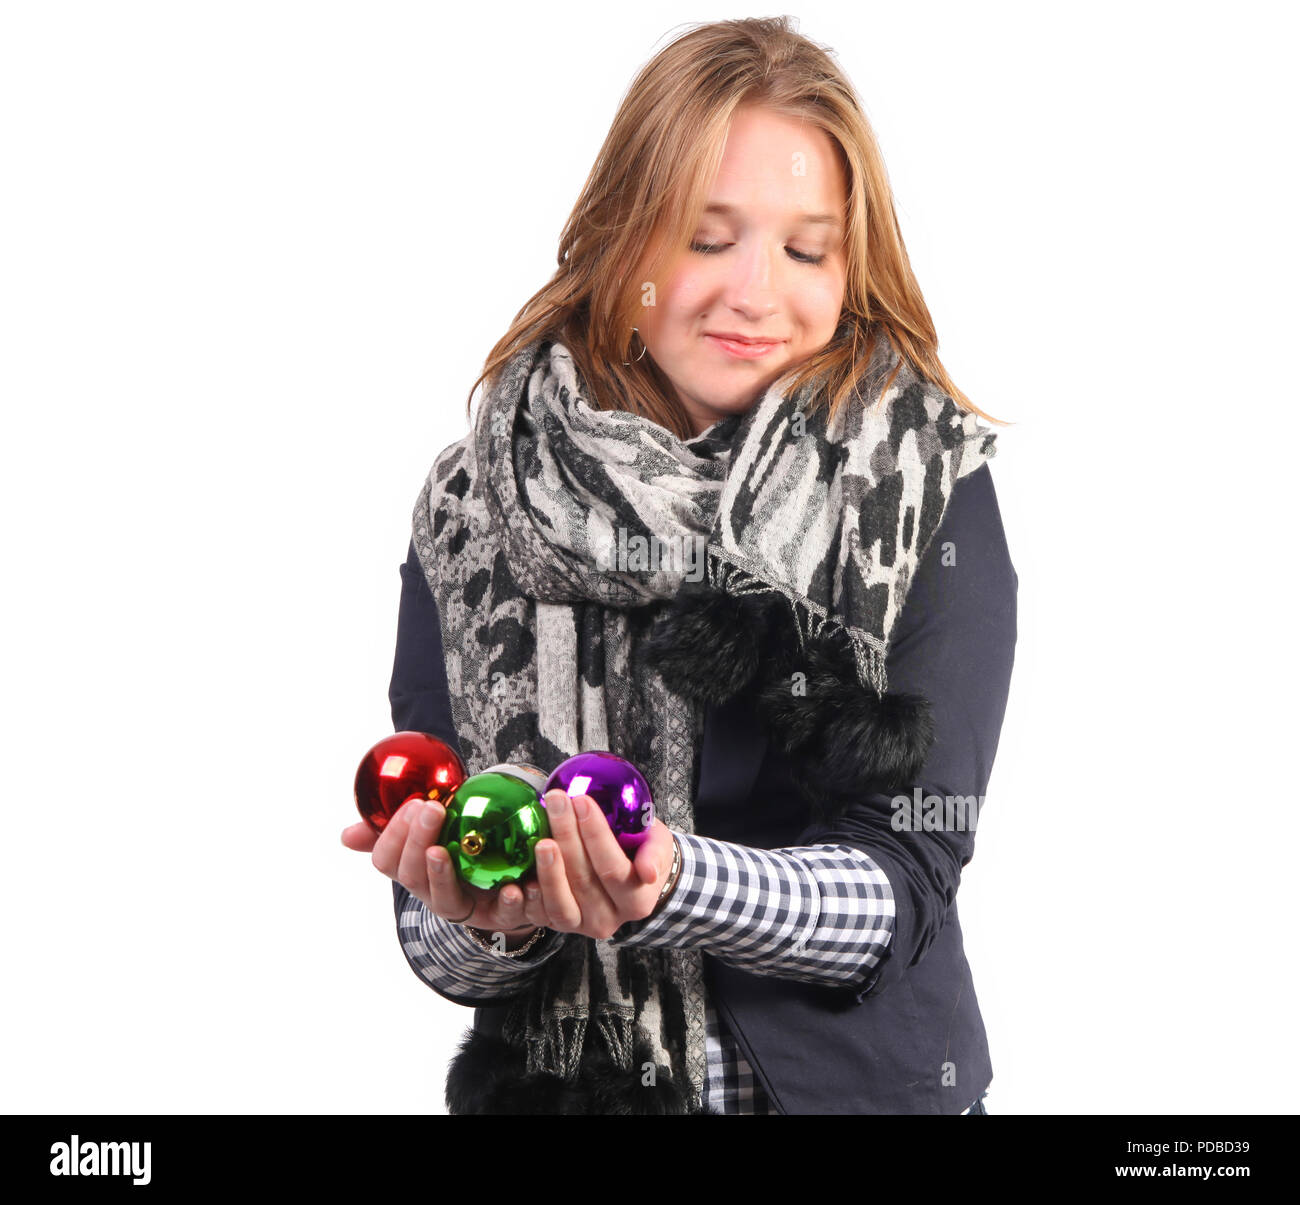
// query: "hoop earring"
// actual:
[[628, 363]]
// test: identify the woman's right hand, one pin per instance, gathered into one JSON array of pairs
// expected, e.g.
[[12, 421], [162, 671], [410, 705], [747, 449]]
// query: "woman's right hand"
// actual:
[[408, 852]]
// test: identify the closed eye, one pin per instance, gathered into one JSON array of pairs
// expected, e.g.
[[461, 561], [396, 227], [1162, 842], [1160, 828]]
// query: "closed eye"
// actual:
[[800, 257]]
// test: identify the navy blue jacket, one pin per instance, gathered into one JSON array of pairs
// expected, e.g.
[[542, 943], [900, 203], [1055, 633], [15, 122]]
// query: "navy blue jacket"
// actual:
[[912, 1039]]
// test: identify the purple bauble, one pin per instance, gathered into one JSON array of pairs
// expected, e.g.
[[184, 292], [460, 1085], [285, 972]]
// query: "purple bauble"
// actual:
[[617, 786]]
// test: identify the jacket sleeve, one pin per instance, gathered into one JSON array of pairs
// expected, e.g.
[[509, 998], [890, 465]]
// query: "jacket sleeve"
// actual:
[[953, 643], [440, 952]]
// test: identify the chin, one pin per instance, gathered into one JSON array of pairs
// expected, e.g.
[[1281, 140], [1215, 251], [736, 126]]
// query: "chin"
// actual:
[[722, 393]]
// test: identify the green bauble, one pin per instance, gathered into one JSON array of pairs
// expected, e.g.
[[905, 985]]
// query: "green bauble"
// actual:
[[493, 822]]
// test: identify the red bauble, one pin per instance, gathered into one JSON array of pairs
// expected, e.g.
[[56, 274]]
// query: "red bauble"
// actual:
[[403, 766]]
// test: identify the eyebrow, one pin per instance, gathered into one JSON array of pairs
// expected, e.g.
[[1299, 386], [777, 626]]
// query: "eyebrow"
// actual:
[[810, 219]]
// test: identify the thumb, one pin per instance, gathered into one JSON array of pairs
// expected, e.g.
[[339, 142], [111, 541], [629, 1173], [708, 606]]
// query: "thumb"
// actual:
[[647, 862], [360, 836]]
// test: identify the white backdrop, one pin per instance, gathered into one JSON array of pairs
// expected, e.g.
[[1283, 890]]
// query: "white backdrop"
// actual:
[[252, 256]]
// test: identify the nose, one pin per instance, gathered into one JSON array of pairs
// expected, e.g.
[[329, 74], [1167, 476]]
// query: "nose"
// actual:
[[750, 287]]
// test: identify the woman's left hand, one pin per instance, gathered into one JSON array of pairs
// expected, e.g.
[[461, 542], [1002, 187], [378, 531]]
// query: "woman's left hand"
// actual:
[[585, 882]]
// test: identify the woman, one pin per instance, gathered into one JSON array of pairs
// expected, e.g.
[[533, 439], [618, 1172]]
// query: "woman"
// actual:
[[809, 679]]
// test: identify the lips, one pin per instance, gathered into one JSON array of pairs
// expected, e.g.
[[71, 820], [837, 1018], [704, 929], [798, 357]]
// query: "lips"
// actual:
[[733, 337], [742, 347]]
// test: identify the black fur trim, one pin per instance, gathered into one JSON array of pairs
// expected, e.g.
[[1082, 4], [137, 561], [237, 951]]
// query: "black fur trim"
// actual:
[[487, 1077], [844, 737], [709, 645]]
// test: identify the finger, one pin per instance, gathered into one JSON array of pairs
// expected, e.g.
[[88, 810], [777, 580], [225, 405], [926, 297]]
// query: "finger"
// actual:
[[557, 898], [423, 825], [509, 910], [655, 857], [586, 888], [649, 871], [610, 866], [447, 895], [534, 907], [388, 847], [360, 836]]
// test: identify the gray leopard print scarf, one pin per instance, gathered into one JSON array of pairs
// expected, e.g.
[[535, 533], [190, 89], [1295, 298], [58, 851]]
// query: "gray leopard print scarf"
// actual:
[[600, 582]]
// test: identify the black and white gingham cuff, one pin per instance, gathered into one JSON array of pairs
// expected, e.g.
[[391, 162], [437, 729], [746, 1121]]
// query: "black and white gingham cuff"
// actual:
[[821, 913], [451, 961]]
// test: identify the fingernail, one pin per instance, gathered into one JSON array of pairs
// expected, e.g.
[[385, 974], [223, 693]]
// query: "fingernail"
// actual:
[[557, 805], [580, 807], [545, 857], [427, 816]]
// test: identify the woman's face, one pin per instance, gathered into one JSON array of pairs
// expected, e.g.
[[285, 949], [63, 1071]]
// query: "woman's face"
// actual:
[[767, 266]]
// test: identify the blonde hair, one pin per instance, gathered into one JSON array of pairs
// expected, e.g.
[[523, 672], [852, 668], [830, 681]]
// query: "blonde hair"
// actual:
[[644, 196]]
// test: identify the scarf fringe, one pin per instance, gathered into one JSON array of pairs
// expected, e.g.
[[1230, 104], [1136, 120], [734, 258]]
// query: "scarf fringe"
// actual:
[[556, 1046], [619, 1031], [555, 1042], [809, 622]]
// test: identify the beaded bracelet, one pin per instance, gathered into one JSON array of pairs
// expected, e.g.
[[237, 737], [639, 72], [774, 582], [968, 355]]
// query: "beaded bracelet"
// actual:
[[476, 935]]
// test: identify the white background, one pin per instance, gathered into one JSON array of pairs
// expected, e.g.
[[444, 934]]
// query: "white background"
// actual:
[[253, 256]]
